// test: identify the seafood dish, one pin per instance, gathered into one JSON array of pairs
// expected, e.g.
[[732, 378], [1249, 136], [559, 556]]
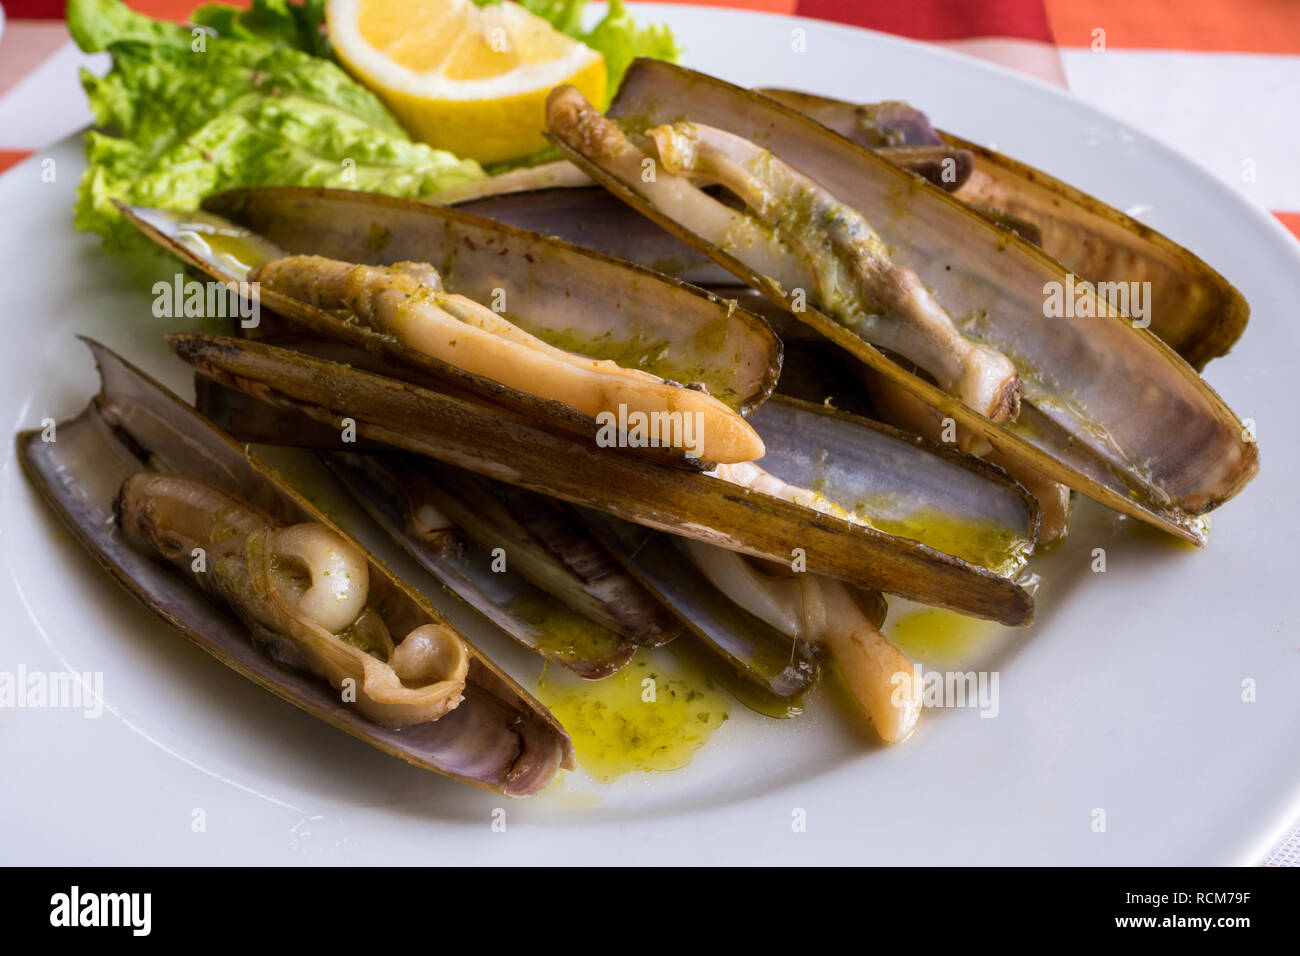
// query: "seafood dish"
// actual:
[[725, 373]]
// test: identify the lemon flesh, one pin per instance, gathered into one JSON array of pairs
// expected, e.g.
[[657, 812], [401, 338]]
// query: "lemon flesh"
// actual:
[[469, 79]]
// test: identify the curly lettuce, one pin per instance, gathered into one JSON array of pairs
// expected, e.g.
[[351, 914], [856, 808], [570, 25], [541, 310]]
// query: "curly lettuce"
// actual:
[[297, 25]]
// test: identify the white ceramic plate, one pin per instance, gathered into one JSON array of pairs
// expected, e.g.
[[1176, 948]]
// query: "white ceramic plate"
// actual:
[[1126, 696]]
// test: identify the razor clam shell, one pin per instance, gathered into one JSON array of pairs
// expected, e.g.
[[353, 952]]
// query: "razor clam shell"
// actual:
[[594, 218], [565, 290], [251, 422], [766, 659], [1193, 308], [874, 125], [375, 482], [1181, 451], [499, 737], [515, 450], [851, 460]]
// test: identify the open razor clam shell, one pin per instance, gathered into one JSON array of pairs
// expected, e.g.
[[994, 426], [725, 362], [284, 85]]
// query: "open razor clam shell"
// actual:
[[386, 487], [498, 737], [1110, 410], [902, 484], [515, 450], [1193, 308], [580, 300], [552, 288]]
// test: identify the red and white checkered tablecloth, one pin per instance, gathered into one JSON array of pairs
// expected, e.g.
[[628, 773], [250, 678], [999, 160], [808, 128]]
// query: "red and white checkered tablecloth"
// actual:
[[1219, 80]]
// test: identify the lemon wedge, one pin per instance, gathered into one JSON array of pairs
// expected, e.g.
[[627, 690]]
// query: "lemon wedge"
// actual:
[[469, 79]]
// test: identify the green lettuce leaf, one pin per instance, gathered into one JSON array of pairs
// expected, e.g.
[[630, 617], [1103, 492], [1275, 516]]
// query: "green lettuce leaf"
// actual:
[[564, 15], [94, 24], [296, 25]]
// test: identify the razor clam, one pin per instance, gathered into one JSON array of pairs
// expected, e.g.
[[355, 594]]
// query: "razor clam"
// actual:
[[1109, 410], [892, 404], [1193, 308], [762, 656], [772, 623], [805, 238], [302, 590], [497, 736], [778, 661], [516, 450], [568, 297], [586, 626], [823, 612], [900, 483], [593, 218], [408, 302]]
